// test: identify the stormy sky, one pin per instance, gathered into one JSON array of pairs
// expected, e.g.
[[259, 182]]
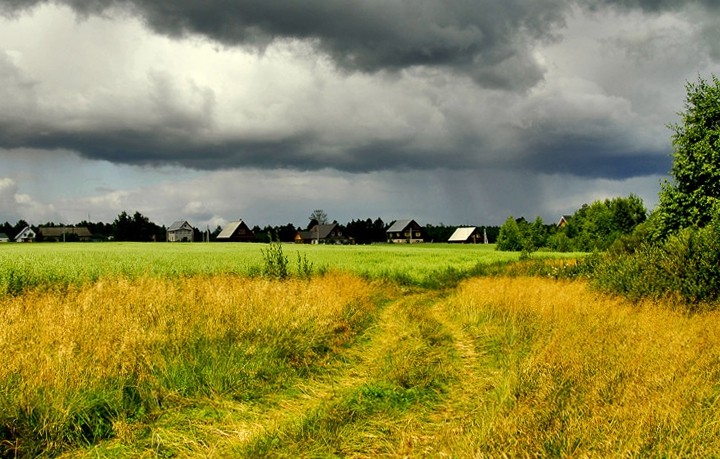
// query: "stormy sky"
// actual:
[[460, 112]]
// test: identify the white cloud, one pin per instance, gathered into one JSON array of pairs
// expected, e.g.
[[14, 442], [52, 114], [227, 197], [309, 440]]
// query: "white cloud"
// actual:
[[15, 205]]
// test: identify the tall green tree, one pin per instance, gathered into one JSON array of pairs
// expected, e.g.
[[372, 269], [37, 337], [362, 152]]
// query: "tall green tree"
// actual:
[[692, 197], [136, 228], [511, 236]]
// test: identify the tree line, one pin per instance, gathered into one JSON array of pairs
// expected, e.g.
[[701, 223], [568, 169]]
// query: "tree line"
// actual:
[[593, 227], [139, 228]]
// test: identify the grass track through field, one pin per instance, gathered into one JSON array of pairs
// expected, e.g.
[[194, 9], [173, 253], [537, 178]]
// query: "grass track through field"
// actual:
[[361, 408], [412, 385], [372, 387], [455, 420]]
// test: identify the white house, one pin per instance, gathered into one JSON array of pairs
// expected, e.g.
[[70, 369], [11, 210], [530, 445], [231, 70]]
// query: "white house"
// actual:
[[26, 235]]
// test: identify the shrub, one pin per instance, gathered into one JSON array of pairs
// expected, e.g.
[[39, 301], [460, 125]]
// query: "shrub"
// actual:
[[304, 266], [686, 265], [275, 262]]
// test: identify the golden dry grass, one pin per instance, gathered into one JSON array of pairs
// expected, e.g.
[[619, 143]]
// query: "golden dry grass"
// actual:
[[578, 374], [71, 357], [117, 326], [499, 367]]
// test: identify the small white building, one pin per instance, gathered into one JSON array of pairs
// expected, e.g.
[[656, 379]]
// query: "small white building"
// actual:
[[26, 235], [4, 237], [180, 231]]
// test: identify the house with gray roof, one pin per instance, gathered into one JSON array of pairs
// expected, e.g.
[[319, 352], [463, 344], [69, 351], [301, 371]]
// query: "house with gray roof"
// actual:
[[330, 233], [405, 231], [180, 231]]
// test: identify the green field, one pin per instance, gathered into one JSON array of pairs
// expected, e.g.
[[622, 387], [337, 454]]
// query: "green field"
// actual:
[[190, 350], [33, 265]]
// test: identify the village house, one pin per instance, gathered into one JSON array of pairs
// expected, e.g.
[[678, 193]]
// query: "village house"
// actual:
[[64, 233], [4, 237], [236, 231], [468, 235], [322, 234], [563, 221], [180, 231], [405, 231], [25, 235]]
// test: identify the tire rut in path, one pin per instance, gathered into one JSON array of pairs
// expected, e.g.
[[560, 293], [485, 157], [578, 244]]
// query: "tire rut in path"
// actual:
[[468, 404], [359, 366]]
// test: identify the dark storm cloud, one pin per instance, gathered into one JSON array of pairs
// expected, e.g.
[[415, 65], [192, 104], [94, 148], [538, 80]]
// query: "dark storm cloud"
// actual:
[[591, 160], [489, 41], [484, 39], [582, 156], [650, 5]]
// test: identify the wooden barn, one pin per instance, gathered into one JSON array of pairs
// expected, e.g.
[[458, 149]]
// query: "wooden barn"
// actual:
[[64, 234], [322, 234], [236, 231], [468, 235], [405, 231]]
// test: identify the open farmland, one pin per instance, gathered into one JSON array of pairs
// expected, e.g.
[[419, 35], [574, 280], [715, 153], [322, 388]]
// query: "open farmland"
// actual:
[[28, 265], [160, 350]]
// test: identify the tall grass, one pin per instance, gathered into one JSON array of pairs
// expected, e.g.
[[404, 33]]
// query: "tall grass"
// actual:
[[334, 365], [78, 366], [579, 374]]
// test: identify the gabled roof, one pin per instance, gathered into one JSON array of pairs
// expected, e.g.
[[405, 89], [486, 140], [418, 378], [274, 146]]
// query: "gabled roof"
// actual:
[[229, 230], [179, 225], [322, 231], [462, 234], [400, 225], [318, 231], [3, 236], [25, 233], [564, 219]]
